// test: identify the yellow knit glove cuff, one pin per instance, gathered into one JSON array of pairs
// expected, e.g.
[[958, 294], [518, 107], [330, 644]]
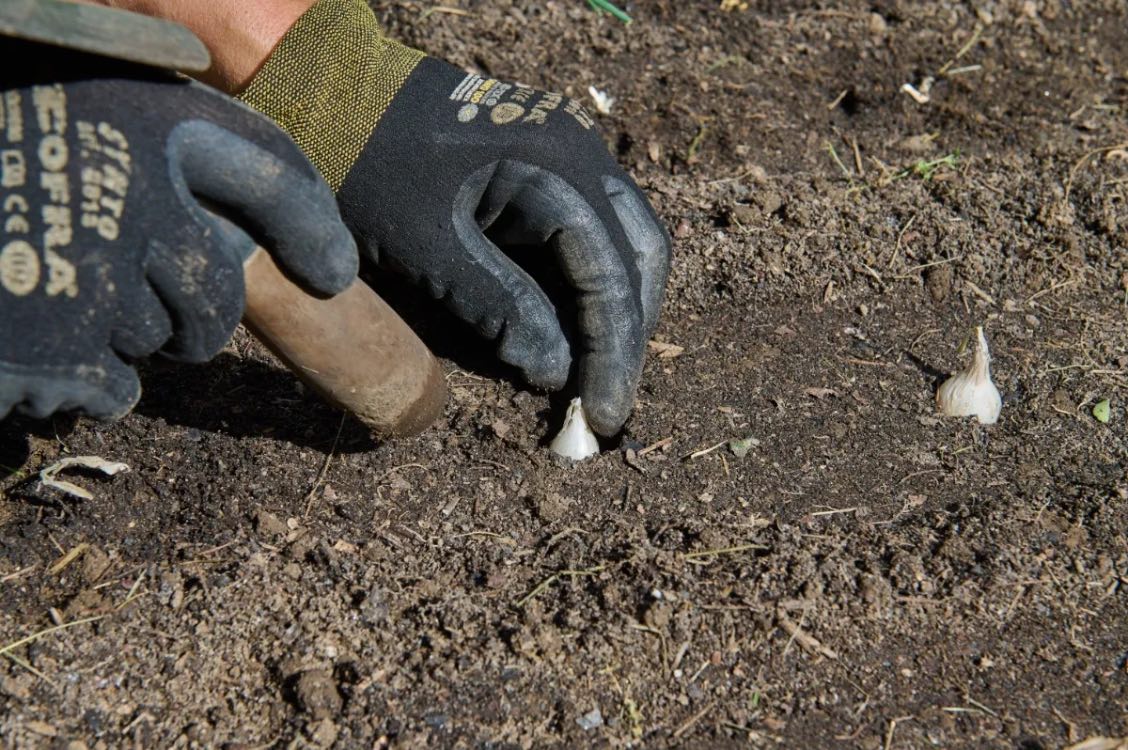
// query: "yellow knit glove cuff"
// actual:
[[329, 81]]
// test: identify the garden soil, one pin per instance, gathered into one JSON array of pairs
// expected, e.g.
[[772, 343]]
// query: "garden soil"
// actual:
[[787, 547]]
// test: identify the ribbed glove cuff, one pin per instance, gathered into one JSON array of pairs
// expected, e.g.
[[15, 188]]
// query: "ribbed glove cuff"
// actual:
[[328, 82]]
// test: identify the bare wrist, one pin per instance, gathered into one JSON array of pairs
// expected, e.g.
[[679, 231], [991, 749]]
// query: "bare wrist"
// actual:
[[240, 34]]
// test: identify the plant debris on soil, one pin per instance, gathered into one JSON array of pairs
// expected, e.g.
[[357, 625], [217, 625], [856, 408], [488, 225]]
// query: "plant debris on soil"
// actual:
[[788, 547]]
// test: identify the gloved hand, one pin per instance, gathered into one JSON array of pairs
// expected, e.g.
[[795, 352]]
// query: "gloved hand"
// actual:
[[114, 177], [438, 173]]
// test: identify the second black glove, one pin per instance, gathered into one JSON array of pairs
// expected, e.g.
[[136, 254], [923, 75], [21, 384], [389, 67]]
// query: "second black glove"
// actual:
[[114, 178]]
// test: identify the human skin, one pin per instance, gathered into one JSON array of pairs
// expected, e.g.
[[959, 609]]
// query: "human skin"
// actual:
[[240, 34]]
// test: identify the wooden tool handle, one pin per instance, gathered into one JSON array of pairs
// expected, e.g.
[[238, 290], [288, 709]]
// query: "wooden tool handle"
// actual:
[[352, 349]]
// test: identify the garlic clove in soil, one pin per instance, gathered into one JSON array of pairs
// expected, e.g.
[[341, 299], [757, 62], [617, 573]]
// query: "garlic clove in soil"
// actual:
[[575, 439], [970, 392]]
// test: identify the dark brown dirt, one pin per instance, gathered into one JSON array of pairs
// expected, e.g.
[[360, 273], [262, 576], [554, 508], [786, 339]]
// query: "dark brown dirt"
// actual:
[[867, 575]]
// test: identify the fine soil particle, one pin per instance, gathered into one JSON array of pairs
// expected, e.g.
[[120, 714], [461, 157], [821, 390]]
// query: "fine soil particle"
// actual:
[[317, 694], [786, 548]]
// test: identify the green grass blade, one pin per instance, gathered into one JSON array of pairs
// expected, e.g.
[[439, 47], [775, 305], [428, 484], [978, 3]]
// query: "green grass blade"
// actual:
[[609, 7]]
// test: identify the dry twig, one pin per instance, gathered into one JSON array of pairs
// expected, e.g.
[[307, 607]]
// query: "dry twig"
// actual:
[[802, 637]]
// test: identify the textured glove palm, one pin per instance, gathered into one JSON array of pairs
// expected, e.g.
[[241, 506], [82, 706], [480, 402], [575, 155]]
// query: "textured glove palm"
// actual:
[[439, 172], [108, 252]]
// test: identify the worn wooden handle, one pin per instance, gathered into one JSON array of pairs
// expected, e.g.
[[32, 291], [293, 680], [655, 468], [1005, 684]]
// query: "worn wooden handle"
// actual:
[[352, 349]]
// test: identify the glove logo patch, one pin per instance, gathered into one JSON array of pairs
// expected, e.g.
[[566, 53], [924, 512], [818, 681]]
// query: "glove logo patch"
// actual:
[[13, 168], [104, 188], [505, 113], [467, 112], [512, 103], [19, 268], [41, 170]]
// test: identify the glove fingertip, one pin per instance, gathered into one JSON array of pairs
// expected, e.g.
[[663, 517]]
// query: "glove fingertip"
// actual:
[[548, 380], [608, 390], [605, 417], [292, 213], [205, 299], [108, 390], [114, 389], [544, 364], [115, 407], [321, 253], [340, 263]]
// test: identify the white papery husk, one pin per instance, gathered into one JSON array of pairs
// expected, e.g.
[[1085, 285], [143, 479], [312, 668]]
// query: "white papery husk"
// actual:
[[970, 392], [47, 475]]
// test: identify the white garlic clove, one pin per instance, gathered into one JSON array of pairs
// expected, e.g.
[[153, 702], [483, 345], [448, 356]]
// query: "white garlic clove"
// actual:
[[575, 439], [602, 101], [970, 392]]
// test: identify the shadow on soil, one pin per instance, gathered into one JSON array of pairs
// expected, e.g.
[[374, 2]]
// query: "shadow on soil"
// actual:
[[246, 398]]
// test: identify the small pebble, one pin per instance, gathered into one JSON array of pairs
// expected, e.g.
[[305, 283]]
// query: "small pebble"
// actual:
[[591, 720]]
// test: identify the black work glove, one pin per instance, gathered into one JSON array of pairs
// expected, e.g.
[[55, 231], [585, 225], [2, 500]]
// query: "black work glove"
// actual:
[[108, 250], [440, 173]]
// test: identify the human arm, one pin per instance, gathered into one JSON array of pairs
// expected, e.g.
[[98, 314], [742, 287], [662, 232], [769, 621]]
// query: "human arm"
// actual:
[[240, 34]]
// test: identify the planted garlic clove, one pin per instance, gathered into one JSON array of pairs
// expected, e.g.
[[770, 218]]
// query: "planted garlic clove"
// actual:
[[575, 439], [970, 392]]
